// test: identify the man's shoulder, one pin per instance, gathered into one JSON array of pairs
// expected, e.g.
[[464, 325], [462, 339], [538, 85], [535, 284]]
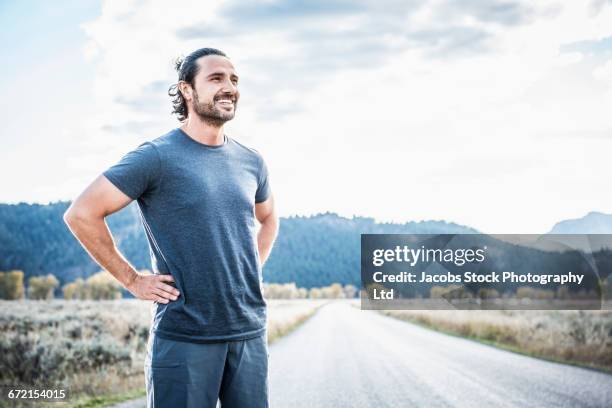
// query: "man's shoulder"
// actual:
[[165, 140], [242, 148]]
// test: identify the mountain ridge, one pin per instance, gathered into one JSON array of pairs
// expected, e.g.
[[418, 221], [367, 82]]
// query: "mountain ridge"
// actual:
[[311, 251], [594, 222]]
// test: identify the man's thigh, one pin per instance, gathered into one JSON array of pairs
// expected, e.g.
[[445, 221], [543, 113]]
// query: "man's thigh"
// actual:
[[181, 374], [245, 380]]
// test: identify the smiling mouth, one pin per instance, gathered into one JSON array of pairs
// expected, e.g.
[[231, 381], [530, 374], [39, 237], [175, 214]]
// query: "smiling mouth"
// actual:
[[228, 102]]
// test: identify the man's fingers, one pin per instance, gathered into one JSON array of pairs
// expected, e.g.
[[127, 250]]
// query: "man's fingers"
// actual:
[[160, 299], [165, 278], [167, 288], [164, 294], [159, 291]]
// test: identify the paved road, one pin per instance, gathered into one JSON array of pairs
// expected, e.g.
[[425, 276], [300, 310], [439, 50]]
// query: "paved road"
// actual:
[[346, 357]]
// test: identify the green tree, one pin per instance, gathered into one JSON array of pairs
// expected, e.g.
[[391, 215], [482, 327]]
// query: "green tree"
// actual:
[[103, 285], [333, 291], [350, 291], [42, 287], [11, 285], [76, 290], [315, 293], [488, 293]]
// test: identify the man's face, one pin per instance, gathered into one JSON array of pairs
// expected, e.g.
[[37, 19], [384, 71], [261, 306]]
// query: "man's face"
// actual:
[[215, 91]]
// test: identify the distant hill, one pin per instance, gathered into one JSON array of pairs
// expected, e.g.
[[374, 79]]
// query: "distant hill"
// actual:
[[592, 223], [34, 239], [310, 251], [325, 248]]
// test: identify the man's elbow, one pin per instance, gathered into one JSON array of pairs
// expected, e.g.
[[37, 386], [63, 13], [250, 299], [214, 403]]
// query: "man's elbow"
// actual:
[[70, 217], [272, 222], [75, 215]]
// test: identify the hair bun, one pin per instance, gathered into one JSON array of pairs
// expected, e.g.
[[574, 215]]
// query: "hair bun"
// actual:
[[178, 62]]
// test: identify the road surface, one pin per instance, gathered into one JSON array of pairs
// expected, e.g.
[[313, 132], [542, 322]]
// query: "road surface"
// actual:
[[346, 357]]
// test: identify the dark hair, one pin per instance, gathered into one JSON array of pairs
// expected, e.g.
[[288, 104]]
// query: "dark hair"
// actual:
[[187, 69]]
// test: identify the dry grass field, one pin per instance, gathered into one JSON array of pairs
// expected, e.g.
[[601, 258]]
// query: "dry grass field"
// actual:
[[577, 337], [95, 348]]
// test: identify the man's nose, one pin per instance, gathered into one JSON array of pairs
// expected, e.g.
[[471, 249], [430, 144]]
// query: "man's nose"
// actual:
[[229, 87]]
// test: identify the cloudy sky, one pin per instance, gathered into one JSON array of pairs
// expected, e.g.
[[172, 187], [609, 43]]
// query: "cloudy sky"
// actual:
[[493, 114]]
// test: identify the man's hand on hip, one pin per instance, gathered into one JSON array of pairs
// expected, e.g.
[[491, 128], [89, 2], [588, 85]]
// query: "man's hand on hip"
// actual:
[[152, 287]]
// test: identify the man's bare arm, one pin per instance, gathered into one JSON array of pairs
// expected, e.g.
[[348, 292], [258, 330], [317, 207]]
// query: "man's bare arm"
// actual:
[[85, 218], [266, 215]]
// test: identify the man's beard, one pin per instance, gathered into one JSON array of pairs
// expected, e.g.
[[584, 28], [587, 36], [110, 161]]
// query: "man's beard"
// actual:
[[209, 113]]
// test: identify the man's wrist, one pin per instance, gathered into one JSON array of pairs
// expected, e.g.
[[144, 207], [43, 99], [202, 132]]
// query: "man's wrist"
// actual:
[[132, 277]]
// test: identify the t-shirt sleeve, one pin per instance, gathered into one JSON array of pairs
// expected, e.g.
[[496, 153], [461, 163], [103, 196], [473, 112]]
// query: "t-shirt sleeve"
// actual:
[[137, 172], [263, 185]]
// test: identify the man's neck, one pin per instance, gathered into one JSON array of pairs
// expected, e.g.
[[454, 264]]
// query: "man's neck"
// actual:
[[203, 132]]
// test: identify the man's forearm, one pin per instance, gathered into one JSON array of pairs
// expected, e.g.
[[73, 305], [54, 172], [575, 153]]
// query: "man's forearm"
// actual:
[[266, 237], [95, 237]]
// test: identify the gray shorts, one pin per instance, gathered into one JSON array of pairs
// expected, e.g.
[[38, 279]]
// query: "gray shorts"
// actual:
[[181, 374]]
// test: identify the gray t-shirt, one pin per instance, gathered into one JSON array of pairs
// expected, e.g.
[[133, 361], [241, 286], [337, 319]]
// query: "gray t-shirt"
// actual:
[[197, 205]]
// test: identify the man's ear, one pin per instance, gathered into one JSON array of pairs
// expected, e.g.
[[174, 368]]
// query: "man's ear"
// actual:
[[185, 89]]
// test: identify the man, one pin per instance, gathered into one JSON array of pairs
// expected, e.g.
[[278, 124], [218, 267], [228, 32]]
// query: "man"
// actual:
[[199, 192]]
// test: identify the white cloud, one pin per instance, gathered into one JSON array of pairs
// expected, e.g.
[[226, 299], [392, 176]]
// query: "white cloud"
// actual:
[[604, 72], [406, 138]]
